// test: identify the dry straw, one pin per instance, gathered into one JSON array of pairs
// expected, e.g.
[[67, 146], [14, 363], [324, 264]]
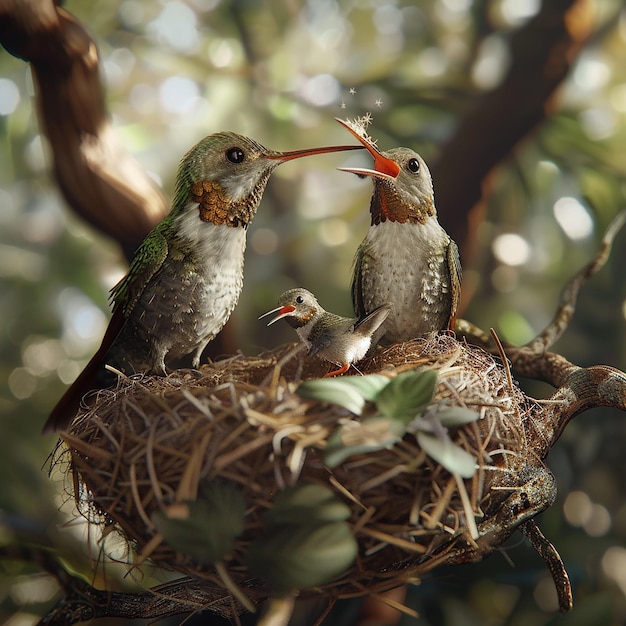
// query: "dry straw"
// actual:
[[152, 440]]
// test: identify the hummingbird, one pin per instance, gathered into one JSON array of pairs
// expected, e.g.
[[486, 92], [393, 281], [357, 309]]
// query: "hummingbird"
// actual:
[[339, 340], [186, 276], [406, 258]]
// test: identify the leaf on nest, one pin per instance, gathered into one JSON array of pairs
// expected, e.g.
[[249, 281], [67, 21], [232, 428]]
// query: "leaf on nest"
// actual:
[[370, 435], [398, 400], [204, 529], [306, 504], [452, 416], [350, 392], [290, 557], [432, 435], [454, 458], [407, 395], [437, 419], [306, 542]]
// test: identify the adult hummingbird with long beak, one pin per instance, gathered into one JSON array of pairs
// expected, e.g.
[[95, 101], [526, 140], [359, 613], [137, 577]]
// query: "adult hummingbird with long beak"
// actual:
[[406, 258], [339, 340], [186, 276]]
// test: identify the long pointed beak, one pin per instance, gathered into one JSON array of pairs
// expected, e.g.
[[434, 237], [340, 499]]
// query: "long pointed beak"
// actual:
[[383, 166], [283, 311], [297, 154], [363, 171]]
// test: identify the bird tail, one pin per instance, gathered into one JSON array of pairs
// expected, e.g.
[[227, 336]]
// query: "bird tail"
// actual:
[[371, 322], [94, 376]]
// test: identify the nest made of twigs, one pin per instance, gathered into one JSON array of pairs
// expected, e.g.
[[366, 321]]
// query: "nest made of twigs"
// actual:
[[152, 440]]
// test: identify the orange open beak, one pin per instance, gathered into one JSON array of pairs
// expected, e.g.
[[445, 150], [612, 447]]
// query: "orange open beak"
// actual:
[[283, 311], [383, 166]]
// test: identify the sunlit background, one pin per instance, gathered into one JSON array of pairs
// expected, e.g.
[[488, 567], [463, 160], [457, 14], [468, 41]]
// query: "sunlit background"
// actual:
[[280, 71]]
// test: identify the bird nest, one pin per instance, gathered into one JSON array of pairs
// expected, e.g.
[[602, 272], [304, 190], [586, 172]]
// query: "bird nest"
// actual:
[[153, 441]]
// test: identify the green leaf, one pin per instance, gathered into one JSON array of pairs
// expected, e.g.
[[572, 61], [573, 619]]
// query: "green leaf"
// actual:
[[336, 391], [204, 529], [455, 459], [350, 392], [369, 385], [435, 420], [455, 416], [297, 557], [407, 395], [306, 504], [370, 435]]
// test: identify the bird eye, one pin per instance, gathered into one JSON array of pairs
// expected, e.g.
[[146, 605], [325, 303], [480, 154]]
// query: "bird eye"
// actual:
[[299, 299], [235, 155], [414, 166]]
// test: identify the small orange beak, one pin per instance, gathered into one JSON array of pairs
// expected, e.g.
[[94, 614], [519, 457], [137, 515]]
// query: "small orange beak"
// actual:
[[297, 154], [283, 311], [383, 166]]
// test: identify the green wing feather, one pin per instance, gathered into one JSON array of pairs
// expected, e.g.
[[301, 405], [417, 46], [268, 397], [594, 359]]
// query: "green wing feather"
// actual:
[[322, 336], [148, 259]]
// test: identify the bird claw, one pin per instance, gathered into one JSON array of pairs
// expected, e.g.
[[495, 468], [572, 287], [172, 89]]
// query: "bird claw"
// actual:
[[342, 370]]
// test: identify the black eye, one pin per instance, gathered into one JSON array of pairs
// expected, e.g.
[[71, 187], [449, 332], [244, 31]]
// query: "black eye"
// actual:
[[413, 165], [235, 155], [299, 299]]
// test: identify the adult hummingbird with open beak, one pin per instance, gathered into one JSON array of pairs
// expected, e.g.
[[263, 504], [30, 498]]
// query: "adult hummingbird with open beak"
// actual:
[[406, 258], [186, 276], [339, 340]]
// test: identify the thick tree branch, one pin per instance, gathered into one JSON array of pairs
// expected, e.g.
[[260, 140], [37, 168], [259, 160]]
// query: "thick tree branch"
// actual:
[[98, 178]]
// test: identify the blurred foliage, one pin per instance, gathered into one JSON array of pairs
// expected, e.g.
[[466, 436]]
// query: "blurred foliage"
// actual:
[[280, 71]]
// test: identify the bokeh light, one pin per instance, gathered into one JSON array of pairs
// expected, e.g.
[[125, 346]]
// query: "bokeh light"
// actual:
[[320, 90], [580, 511], [9, 96], [511, 248], [334, 232], [515, 12], [573, 218], [614, 566], [179, 95], [577, 508], [491, 63], [176, 26]]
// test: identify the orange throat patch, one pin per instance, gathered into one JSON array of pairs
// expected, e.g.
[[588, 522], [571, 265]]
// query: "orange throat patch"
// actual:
[[215, 207]]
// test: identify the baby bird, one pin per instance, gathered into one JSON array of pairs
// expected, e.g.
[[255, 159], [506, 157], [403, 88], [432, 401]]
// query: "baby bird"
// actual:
[[339, 340]]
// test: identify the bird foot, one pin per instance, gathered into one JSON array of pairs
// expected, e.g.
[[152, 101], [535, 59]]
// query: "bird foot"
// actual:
[[342, 370]]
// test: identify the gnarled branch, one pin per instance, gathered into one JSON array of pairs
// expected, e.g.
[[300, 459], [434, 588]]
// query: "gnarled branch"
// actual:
[[98, 178]]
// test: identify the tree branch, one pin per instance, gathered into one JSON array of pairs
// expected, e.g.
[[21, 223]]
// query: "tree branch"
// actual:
[[98, 178]]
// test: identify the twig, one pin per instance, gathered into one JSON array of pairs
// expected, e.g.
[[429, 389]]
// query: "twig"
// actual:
[[531, 359], [554, 562], [567, 305]]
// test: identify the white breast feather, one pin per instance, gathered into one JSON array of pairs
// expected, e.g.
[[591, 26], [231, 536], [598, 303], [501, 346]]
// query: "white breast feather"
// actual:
[[222, 249], [218, 244], [400, 248]]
